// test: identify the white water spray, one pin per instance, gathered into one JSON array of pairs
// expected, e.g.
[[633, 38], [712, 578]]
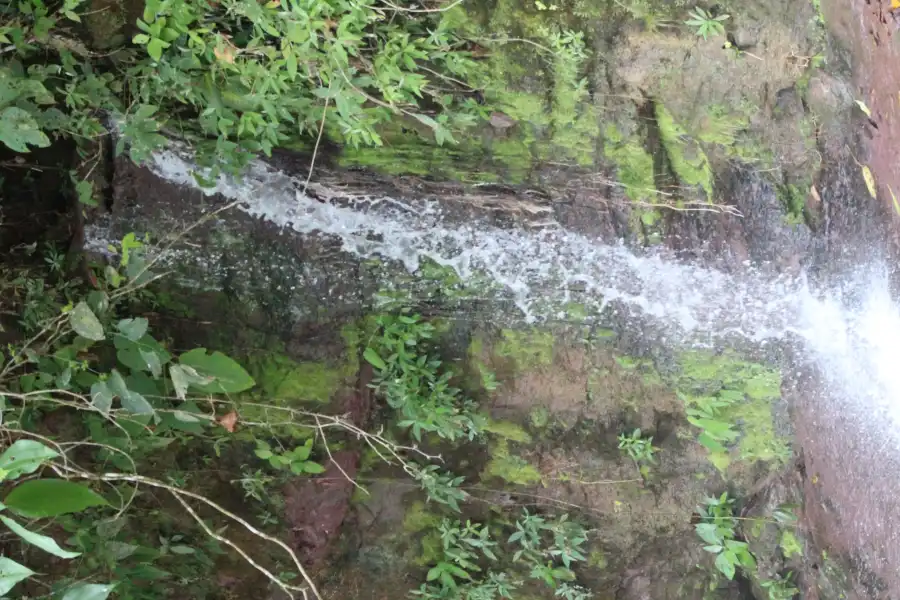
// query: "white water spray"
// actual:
[[850, 333], [853, 333]]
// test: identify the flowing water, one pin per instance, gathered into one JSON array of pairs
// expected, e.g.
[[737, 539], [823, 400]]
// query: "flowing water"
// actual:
[[847, 329]]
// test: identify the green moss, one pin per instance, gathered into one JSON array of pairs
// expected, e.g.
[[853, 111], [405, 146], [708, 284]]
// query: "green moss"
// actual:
[[419, 518], [283, 379], [529, 349], [539, 417], [511, 468], [431, 550], [634, 165], [508, 430], [687, 158], [749, 390], [597, 559], [718, 125], [793, 199]]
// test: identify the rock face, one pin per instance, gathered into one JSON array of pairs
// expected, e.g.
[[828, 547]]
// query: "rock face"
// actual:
[[665, 142]]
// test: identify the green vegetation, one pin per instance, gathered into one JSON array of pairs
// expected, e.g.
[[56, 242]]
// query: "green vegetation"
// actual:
[[633, 162], [638, 448], [718, 529], [510, 467], [730, 402], [705, 24], [473, 564], [412, 383], [528, 349], [233, 79], [686, 157]]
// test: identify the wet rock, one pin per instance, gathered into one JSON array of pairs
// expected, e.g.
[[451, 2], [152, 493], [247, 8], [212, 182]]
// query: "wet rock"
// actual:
[[746, 37], [828, 96], [659, 574], [315, 508], [787, 103]]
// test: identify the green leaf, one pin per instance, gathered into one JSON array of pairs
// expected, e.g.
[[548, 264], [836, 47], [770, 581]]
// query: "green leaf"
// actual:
[[141, 38], [155, 48], [708, 533], [85, 191], [133, 329], [12, 573], [372, 357], [181, 549], [186, 417], [85, 323], [89, 591], [102, 397], [47, 544], [179, 380], [313, 468], [725, 565], [116, 384], [151, 359], [710, 444], [137, 404], [134, 355], [18, 129], [24, 456], [41, 498], [228, 376]]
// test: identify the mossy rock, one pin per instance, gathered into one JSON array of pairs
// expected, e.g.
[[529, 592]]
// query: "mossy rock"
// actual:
[[687, 159], [509, 467]]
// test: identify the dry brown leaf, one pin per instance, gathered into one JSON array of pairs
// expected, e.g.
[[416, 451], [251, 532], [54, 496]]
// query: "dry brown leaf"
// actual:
[[229, 421], [870, 181], [225, 53], [817, 199]]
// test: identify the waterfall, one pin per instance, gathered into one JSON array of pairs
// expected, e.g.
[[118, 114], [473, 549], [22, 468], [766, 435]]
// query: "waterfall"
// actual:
[[849, 331]]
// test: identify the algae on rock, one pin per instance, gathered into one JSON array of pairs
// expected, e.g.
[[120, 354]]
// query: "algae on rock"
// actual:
[[686, 157]]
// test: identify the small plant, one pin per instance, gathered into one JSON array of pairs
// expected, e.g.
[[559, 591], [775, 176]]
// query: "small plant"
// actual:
[[780, 588], [417, 384], [705, 24], [296, 460], [639, 449], [717, 529], [544, 550]]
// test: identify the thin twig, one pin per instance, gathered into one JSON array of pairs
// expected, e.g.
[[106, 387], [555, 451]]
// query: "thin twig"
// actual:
[[321, 432], [422, 10], [227, 513], [285, 588], [312, 161]]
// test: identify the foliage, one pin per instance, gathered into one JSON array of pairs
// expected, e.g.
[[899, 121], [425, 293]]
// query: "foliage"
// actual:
[[474, 565], [296, 459], [686, 157], [637, 448], [234, 78], [717, 529], [414, 382], [780, 588], [705, 24], [131, 399]]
